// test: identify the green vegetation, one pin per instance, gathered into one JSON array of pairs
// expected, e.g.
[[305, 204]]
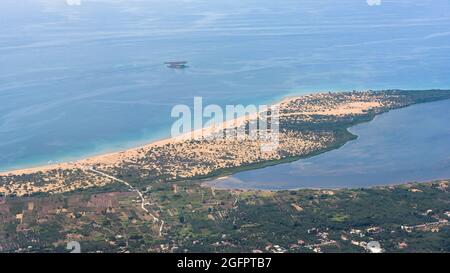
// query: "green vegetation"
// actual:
[[199, 219]]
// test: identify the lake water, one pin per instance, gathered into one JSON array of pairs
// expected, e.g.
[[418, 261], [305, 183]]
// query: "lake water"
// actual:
[[404, 145], [77, 80]]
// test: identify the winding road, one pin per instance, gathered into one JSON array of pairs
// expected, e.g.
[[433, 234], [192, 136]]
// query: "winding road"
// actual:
[[143, 202]]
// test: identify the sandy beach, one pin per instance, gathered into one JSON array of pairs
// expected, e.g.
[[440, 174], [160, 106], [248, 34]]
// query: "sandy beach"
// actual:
[[201, 153], [113, 157]]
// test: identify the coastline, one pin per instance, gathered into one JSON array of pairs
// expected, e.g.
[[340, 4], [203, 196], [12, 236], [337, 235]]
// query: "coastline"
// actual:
[[108, 155], [111, 157], [312, 124]]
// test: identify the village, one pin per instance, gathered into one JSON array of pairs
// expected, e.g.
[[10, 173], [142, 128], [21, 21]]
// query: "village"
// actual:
[[233, 220]]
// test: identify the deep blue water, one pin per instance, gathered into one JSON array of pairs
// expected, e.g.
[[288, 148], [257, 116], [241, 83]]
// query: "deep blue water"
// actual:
[[405, 145], [81, 80]]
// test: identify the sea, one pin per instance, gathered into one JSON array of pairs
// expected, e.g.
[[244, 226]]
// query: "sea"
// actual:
[[85, 77]]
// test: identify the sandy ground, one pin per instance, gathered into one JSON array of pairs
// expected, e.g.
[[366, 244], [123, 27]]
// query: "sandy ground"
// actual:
[[110, 159], [114, 157]]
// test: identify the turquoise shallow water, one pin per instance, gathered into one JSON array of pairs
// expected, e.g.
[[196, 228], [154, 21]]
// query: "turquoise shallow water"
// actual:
[[87, 79], [404, 145]]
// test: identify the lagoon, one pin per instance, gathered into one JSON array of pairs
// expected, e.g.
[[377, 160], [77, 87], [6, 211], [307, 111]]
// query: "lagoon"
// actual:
[[405, 145]]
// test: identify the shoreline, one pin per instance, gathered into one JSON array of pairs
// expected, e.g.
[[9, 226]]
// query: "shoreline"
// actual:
[[159, 161], [114, 156], [218, 182], [87, 159], [378, 186]]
